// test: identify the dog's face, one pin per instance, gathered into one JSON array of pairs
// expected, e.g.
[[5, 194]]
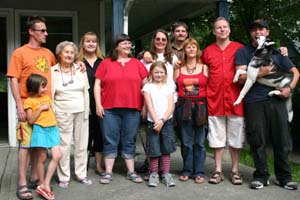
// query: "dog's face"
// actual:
[[265, 48]]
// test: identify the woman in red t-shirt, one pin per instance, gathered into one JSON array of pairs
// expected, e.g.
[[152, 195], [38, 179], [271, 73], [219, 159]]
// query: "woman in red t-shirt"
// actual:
[[118, 100], [191, 111]]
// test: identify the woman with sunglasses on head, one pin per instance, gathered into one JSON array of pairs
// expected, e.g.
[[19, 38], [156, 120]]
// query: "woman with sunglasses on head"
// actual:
[[69, 89], [119, 102]]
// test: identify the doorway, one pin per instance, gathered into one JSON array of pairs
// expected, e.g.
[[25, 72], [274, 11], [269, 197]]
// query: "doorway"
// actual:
[[3, 83]]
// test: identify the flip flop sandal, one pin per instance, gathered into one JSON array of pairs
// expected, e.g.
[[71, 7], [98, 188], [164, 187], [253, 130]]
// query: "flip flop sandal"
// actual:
[[84, 181], [183, 178], [49, 195], [134, 177], [216, 177], [21, 194], [106, 178], [63, 184], [236, 178], [199, 179]]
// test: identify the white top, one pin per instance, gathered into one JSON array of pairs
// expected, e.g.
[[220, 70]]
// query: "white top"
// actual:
[[69, 98], [159, 97]]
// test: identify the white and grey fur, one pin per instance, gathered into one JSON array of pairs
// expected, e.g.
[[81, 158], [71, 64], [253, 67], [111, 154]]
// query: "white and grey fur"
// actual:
[[277, 78]]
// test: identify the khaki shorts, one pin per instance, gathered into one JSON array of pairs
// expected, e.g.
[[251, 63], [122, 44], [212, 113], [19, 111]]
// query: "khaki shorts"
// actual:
[[222, 129], [24, 131]]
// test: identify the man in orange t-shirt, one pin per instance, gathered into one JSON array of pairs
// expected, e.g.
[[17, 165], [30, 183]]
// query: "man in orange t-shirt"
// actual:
[[30, 58]]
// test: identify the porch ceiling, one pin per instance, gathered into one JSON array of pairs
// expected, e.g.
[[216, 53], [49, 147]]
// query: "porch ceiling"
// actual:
[[148, 15]]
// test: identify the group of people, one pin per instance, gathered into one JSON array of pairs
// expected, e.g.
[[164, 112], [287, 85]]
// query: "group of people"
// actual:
[[97, 103]]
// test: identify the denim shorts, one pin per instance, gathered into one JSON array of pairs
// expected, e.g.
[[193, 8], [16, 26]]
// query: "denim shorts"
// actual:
[[119, 127], [162, 143]]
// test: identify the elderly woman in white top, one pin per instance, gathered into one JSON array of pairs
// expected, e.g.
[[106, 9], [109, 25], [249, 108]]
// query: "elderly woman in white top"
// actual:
[[69, 89]]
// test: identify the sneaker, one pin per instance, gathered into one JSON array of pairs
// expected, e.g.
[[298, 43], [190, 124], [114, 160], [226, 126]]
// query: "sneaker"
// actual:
[[153, 180], [289, 185], [168, 180], [256, 184]]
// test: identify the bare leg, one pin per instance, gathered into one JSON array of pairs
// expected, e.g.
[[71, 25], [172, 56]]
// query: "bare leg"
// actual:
[[235, 157], [56, 156], [34, 164], [130, 165], [41, 159], [98, 160], [218, 158], [23, 165], [109, 164]]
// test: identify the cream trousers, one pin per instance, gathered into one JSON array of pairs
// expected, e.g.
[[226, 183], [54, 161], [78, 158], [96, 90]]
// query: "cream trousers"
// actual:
[[73, 129]]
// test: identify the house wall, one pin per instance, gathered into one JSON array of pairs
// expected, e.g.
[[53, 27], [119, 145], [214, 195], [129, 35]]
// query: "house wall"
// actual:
[[87, 10]]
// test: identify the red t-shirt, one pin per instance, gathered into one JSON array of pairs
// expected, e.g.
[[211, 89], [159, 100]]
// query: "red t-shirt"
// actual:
[[221, 91], [121, 85]]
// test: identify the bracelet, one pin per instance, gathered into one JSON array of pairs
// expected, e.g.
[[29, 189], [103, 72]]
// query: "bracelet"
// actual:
[[162, 119], [291, 89]]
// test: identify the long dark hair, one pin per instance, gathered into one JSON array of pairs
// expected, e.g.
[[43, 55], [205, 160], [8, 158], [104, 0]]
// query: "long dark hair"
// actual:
[[119, 38], [33, 83], [168, 51]]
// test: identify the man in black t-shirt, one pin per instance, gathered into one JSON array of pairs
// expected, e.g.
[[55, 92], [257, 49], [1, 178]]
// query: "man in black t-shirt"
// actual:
[[266, 117]]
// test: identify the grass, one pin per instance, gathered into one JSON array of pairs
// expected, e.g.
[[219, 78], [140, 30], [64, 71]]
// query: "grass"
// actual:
[[246, 159]]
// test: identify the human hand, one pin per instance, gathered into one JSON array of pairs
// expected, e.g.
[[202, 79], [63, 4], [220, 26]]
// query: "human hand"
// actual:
[[265, 70], [283, 51], [100, 111], [45, 106], [21, 114], [158, 126], [285, 92], [82, 66], [177, 64]]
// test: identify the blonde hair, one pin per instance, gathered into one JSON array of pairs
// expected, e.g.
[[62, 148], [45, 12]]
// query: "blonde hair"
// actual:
[[98, 52], [190, 41], [161, 65]]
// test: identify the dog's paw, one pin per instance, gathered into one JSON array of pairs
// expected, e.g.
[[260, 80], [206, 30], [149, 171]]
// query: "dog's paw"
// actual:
[[274, 92], [236, 103]]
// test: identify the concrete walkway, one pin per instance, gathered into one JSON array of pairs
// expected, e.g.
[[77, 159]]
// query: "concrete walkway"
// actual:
[[121, 188]]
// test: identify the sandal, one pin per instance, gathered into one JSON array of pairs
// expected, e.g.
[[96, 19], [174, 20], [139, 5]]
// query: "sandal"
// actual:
[[33, 184], [216, 177], [199, 179], [183, 178], [236, 178], [134, 177], [22, 190], [100, 173], [84, 181], [63, 184], [49, 195], [106, 178]]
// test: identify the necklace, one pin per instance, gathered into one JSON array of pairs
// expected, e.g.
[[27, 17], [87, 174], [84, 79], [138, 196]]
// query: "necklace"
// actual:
[[65, 84], [191, 71]]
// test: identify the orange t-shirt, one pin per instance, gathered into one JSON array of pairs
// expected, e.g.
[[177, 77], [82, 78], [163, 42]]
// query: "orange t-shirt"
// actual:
[[25, 61], [47, 117]]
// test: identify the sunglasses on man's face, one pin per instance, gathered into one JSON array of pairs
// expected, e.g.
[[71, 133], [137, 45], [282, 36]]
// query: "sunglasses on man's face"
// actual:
[[41, 30]]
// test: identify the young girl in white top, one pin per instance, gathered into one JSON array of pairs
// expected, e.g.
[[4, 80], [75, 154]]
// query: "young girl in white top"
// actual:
[[159, 100], [45, 133]]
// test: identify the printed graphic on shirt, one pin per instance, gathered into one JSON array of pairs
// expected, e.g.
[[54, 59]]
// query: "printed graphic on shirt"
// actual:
[[191, 86], [42, 64]]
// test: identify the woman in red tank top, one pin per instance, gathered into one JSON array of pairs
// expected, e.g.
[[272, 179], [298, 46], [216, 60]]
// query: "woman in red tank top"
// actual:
[[191, 112]]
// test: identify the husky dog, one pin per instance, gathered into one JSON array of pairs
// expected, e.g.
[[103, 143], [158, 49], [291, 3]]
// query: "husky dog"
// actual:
[[277, 78]]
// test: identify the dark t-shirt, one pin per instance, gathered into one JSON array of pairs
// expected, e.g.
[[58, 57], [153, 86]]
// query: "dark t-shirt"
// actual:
[[259, 92]]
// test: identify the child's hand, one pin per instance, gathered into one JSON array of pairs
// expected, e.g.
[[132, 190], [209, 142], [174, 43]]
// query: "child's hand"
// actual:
[[158, 126], [45, 106]]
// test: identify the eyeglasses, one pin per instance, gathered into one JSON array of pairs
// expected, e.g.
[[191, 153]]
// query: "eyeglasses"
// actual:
[[161, 39], [41, 30]]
